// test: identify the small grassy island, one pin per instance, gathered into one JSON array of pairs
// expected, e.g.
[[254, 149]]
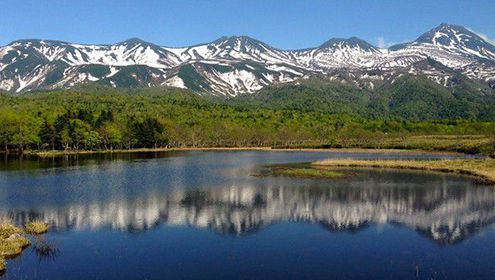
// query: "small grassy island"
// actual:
[[302, 172], [13, 240], [307, 172], [483, 168], [36, 228]]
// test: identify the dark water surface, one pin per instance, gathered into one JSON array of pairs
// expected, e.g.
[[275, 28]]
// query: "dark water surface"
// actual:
[[201, 215]]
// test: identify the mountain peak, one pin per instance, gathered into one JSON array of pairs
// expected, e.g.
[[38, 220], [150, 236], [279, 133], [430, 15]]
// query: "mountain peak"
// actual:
[[38, 42], [455, 39], [349, 42], [236, 39], [241, 43], [453, 36], [448, 25], [233, 65], [448, 34], [131, 42]]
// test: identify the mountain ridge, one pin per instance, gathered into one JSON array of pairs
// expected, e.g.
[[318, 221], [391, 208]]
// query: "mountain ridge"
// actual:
[[238, 65]]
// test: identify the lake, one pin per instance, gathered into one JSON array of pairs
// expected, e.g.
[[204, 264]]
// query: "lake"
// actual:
[[203, 215]]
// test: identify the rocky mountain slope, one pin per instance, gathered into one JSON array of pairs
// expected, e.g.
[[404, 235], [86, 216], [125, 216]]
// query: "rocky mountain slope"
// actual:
[[232, 66]]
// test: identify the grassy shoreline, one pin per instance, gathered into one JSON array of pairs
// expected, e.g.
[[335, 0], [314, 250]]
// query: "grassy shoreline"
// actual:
[[438, 144], [483, 169], [272, 149]]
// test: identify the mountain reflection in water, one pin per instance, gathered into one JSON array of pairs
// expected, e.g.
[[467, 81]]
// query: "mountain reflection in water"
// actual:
[[443, 213]]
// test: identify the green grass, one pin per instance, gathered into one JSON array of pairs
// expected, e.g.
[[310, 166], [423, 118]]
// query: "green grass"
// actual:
[[468, 144], [481, 168], [471, 144], [306, 172]]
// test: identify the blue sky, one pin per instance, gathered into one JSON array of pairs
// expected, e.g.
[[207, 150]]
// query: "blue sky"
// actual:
[[287, 24]]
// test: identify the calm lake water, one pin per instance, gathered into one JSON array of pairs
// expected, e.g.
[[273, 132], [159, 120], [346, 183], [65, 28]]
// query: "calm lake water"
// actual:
[[202, 215]]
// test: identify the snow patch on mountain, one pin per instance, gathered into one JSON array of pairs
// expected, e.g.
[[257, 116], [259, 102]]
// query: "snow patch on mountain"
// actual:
[[175, 82]]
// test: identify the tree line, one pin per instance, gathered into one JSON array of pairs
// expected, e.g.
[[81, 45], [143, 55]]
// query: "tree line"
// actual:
[[157, 118]]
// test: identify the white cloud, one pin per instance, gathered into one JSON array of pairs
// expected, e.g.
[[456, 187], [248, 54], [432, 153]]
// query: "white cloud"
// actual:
[[383, 44], [484, 36]]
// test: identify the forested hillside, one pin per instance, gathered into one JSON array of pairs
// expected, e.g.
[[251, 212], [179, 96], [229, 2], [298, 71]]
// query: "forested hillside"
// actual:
[[104, 118], [409, 97]]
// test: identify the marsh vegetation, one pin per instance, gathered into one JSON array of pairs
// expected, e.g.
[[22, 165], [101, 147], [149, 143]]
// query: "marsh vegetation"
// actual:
[[13, 239], [483, 168], [308, 172]]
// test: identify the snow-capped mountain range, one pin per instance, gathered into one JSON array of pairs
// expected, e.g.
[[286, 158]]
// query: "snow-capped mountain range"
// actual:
[[232, 66]]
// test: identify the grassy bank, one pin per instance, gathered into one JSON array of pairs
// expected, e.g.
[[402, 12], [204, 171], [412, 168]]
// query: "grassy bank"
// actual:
[[13, 240], [468, 144], [294, 149], [481, 168], [306, 172]]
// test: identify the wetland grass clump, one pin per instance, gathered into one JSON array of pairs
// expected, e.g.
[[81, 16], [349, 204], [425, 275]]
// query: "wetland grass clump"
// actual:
[[36, 227], [12, 243], [483, 168], [307, 172], [13, 239]]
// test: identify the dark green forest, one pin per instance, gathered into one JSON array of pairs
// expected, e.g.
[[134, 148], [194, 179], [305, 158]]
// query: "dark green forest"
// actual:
[[409, 98], [101, 118]]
